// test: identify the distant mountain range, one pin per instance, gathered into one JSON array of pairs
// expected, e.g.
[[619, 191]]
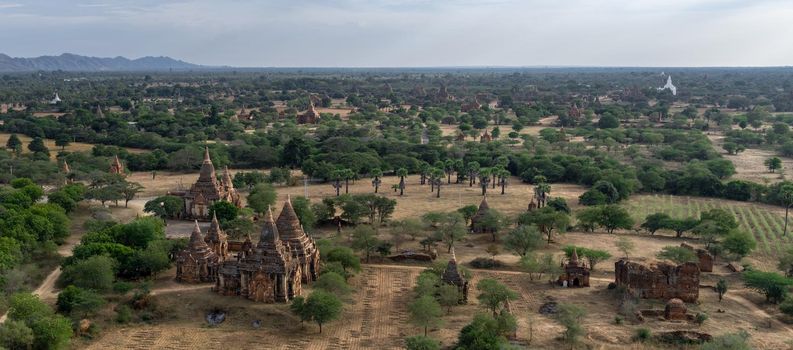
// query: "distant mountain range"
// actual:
[[77, 63]]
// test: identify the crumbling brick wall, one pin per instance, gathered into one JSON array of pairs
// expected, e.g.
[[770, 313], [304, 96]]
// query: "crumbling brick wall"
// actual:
[[659, 280]]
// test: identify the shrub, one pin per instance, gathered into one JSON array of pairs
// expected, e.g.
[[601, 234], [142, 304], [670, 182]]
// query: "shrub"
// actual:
[[642, 334], [700, 318], [123, 314], [486, 263]]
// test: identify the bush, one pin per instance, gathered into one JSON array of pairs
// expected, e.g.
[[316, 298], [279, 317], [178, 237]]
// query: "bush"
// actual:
[[78, 302], [787, 307], [421, 342], [700, 318], [618, 320], [123, 314], [643, 334], [486, 263], [95, 273]]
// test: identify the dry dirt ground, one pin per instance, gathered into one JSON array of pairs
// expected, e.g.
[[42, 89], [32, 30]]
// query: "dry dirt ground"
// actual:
[[72, 147], [749, 163], [376, 315]]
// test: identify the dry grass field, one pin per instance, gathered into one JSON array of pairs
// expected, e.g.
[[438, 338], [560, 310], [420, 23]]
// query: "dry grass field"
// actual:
[[749, 163]]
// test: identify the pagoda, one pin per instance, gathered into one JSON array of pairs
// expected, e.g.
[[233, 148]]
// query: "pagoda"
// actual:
[[310, 117], [216, 239], [207, 190], [265, 273], [303, 247], [480, 214], [453, 277], [116, 167], [196, 263]]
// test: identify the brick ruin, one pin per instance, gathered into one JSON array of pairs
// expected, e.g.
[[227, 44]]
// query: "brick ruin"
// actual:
[[660, 280], [705, 258]]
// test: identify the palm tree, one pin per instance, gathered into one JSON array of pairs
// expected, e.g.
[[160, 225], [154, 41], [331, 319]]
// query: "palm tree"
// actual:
[[786, 196], [459, 168], [376, 173], [402, 172], [424, 170], [473, 170], [336, 176], [448, 168], [541, 190], [484, 179], [503, 175], [436, 176], [348, 175]]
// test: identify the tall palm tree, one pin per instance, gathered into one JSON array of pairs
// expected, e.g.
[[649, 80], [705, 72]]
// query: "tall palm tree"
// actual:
[[376, 174], [473, 171], [437, 179], [402, 172], [484, 179]]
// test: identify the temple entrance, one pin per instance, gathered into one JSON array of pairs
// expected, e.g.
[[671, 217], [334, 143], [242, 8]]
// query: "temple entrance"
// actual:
[[576, 282]]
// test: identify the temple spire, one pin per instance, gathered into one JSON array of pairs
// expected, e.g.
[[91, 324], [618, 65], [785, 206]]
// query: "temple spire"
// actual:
[[574, 257], [207, 159], [269, 230], [196, 239]]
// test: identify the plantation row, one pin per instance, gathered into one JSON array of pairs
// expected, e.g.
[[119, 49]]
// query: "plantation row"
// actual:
[[766, 226]]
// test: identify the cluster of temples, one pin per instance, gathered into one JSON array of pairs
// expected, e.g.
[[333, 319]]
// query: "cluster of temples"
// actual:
[[270, 271], [207, 190]]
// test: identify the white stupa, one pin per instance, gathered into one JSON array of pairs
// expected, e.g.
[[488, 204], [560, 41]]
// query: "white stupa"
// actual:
[[55, 100], [669, 86]]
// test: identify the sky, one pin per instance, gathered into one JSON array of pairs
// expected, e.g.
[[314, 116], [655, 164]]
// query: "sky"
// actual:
[[408, 33]]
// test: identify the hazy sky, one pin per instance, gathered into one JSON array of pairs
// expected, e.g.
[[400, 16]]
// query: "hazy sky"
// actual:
[[355, 33]]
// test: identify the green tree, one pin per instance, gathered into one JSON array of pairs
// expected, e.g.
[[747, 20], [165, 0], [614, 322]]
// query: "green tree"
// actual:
[[364, 238], [322, 307], [261, 197], [37, 146], [785, 261], [402, 173], [344, 256], [14, 144], [624, 245], [593, 256], [721, 288], [785, 195], [94, 273], [483, 333], [773, 285], [129, 190], [492, 221], [493, 294], [78, 302], [655, 222], [773, 164], [450, 229], [305, 212], [569, 316], [523, 239], [613, 217], [739, 242], [334, 283], [677, 254], [547, 221], [425, 312], [165, 206], [16, 335], [421, 342], [448, 296], [468, 212], [224, 211]]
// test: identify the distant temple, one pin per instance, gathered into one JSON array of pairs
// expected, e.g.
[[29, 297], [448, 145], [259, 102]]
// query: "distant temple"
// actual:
[[671, 87], [55, 100], [485, 137], [207, 190], [99, 113], [310, 117], [480, 214], [116, 167]]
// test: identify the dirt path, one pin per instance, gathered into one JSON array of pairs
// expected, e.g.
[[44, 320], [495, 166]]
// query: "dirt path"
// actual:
[[757, 311]]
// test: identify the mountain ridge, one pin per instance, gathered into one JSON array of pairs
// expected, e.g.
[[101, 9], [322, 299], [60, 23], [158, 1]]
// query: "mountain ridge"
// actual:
[[79, 63]]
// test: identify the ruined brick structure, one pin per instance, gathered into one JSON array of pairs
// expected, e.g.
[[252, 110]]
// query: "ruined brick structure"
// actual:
[[207, 190], [196, 263], [453, 276], [659, 280], [675, 310], [705, 259], [310, 117], [480, 214], [267, 272], [485, 138]]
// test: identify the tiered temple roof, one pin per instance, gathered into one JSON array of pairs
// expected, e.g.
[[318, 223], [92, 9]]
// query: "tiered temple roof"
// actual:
[[453, 276], [196, 263], [216, 239], [310, 117], [116, 167], [302, 246]]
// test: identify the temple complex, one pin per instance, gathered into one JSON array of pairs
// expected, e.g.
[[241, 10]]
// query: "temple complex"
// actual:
[[116, 167], [310, 117], [208, 190], [196, 263], [303, 247], [267, 272], [659, 280], [453, 277], [480, 214], [576, 274]]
